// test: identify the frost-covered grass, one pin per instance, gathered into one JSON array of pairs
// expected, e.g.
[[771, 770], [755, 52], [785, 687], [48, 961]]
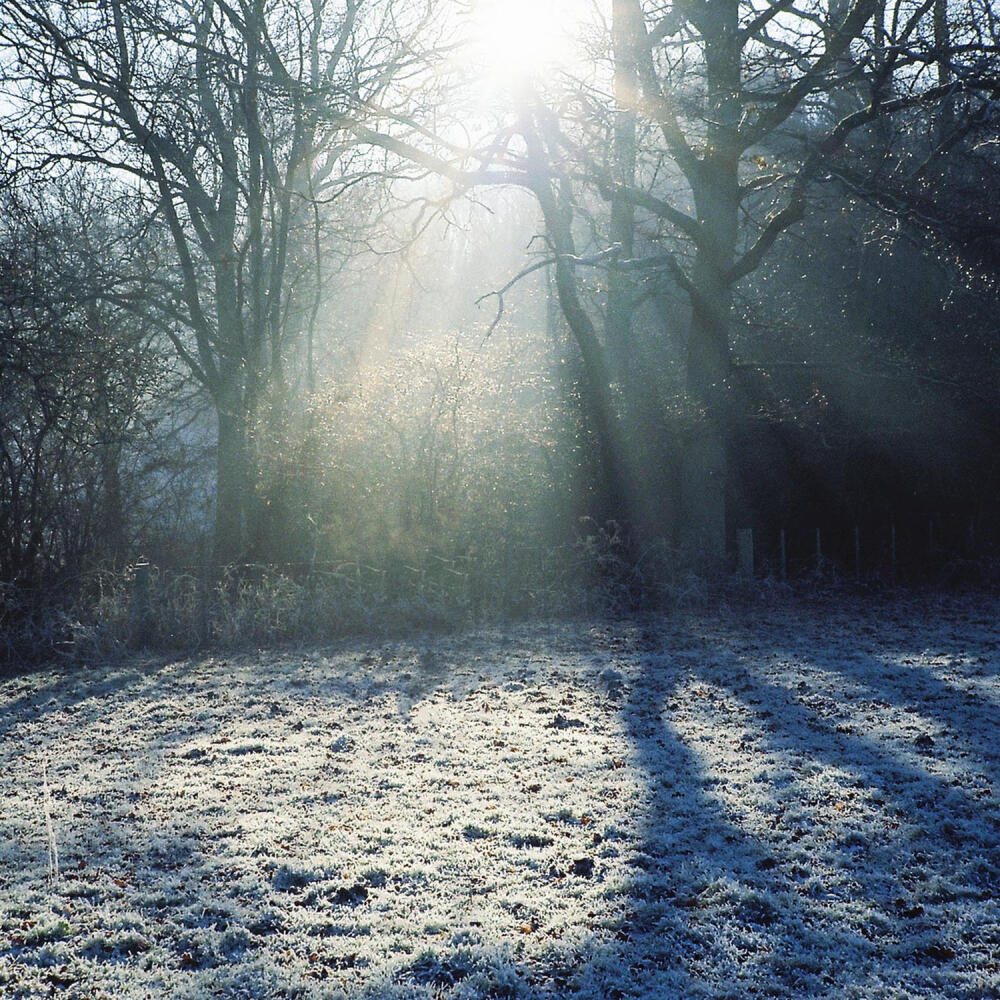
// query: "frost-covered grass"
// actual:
[[773, 802]]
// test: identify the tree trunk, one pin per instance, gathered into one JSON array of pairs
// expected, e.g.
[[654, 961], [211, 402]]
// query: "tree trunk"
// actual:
[[612, 495], [233, 484], [704, 466], [618, 316], [555, 202], [715, 186]]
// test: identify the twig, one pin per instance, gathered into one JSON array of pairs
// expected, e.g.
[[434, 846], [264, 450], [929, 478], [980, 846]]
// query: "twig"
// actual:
[[595, 260]]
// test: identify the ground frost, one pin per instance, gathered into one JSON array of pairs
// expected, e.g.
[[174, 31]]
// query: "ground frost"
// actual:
[[790, 802]]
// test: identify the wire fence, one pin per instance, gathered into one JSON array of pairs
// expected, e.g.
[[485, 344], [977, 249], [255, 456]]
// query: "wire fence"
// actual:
[[937, 548]]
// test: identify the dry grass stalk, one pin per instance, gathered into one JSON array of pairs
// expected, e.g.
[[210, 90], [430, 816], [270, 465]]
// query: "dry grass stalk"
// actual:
[[50, 835]]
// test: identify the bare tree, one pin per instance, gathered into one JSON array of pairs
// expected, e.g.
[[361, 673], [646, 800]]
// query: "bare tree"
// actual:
[[79, 378], [705, 143], [228, 121]]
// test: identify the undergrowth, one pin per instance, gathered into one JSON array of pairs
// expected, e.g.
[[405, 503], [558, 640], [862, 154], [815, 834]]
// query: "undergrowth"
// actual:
[[601, 573], [111, 613]]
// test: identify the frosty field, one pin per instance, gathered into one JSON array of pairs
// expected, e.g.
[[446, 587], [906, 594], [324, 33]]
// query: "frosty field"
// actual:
[[755, 802]]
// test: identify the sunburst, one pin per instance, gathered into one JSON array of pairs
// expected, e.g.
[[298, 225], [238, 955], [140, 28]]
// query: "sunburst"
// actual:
[[522, 43]]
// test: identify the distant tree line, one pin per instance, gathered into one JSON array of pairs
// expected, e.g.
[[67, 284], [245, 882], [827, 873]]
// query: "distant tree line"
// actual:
[[767, 237]]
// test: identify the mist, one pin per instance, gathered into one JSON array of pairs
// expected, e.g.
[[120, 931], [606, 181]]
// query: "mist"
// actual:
[[499, 499]]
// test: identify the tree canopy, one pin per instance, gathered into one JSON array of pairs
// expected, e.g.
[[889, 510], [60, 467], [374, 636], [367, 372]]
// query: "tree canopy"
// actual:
[[217, 194]]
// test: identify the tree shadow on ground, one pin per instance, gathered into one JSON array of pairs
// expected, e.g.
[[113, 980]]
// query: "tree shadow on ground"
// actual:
[[897, 888], [788, 845]]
